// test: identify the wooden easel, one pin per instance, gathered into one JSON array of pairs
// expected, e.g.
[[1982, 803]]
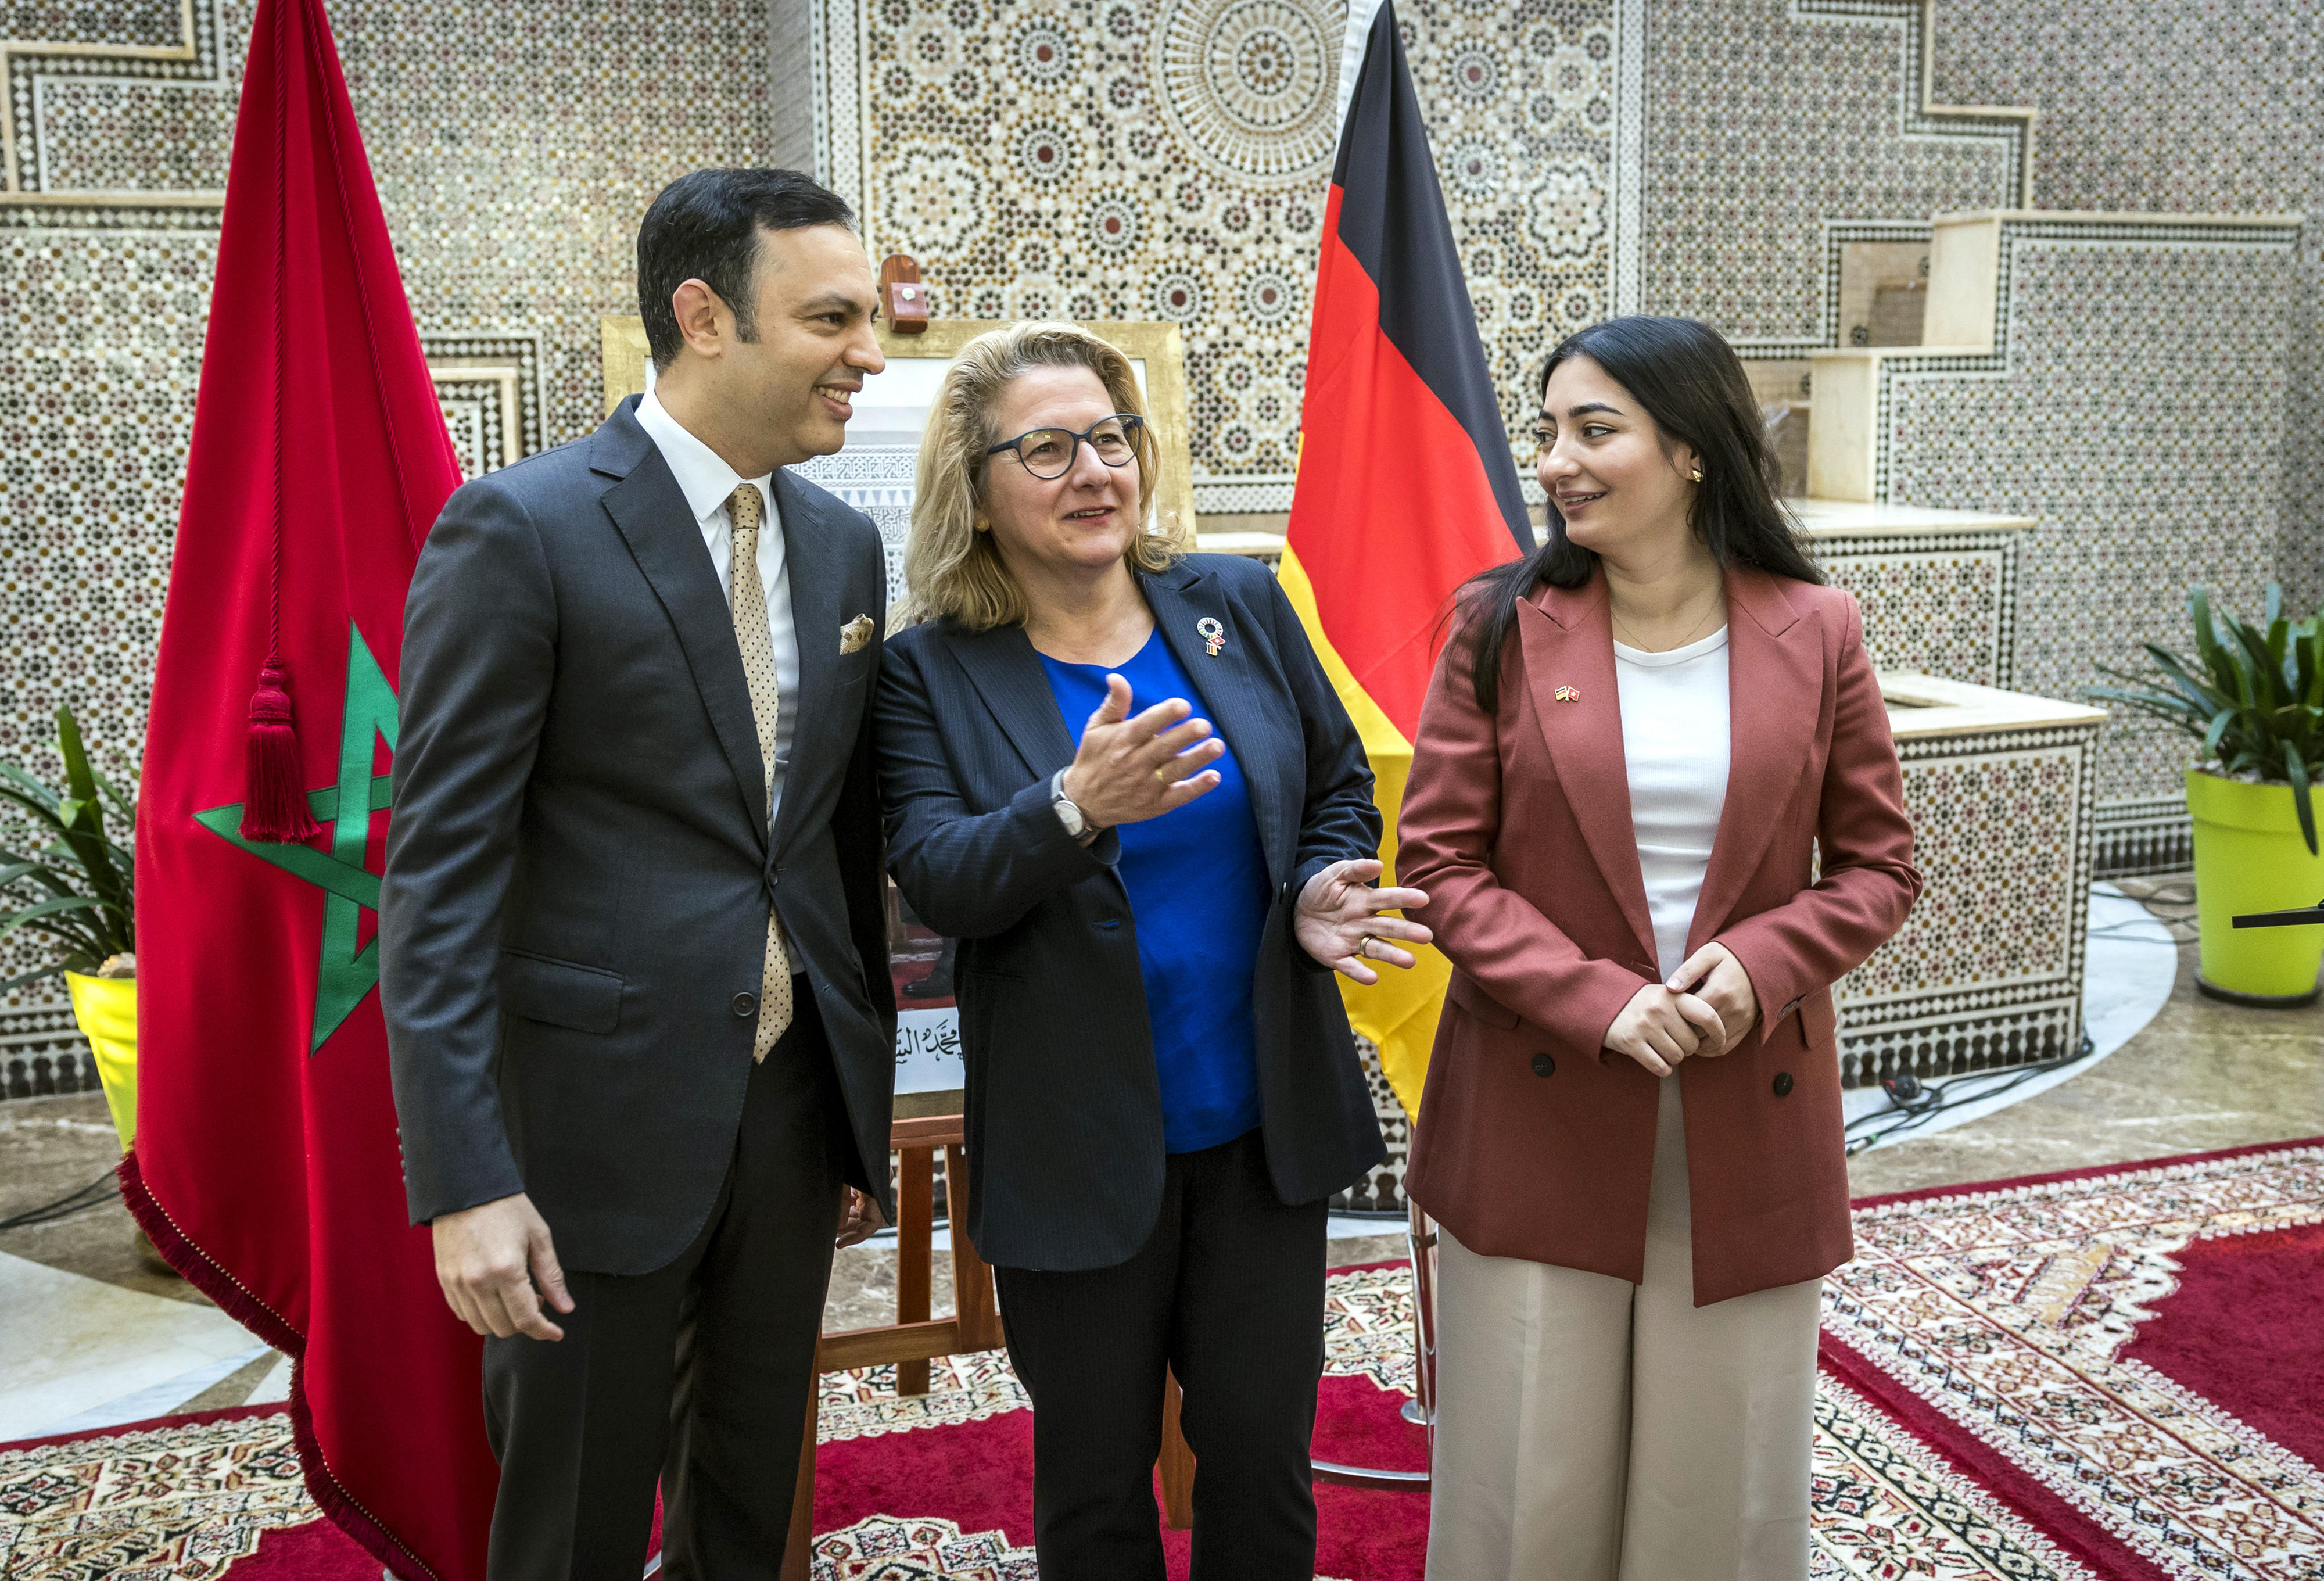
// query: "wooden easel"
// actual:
[[915, 1338]]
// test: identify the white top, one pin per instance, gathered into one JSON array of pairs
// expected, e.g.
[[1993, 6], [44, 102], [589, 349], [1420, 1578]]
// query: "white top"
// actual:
[[1675, 745], [706, 481]]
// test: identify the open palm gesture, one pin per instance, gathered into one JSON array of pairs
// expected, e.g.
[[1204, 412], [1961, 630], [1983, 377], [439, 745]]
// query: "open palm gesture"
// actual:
[[1343, 922]]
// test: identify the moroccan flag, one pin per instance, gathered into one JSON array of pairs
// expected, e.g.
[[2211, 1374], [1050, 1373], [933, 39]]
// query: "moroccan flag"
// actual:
[[1406, 486], [266, 1166]]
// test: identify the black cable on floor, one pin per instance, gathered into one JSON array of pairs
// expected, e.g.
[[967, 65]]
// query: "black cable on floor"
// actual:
[[1940, 1099], [96, 1194]]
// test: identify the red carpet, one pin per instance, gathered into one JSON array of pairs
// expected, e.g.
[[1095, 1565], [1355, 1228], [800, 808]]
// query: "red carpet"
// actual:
[[2108, 1373], [2131, 1356]]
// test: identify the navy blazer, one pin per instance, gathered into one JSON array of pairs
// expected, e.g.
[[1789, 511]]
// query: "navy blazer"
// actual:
[[1063, 1105]]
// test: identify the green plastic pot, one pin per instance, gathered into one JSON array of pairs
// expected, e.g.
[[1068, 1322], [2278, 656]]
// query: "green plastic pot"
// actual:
[[2249, 857]]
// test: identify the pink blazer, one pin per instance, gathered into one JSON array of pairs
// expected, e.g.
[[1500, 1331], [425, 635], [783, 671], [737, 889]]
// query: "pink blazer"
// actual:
[[1535, 1141]]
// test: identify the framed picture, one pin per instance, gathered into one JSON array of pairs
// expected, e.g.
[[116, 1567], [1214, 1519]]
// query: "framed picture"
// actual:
[[875, 472]]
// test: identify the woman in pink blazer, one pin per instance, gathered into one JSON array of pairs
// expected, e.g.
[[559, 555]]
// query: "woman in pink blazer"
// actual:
[[1640, 745]]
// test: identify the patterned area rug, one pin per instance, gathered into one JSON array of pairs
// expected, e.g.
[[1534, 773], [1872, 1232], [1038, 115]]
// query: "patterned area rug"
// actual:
[[2113, 1373], [2131, 1356], [182, 1499]]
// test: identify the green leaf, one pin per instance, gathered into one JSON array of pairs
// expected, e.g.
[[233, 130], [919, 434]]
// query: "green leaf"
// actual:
[[2264, 671], [55, 968], [56, 903], [45, 799], [82, 784], [44, 812], [126, 805], [2296, 769]]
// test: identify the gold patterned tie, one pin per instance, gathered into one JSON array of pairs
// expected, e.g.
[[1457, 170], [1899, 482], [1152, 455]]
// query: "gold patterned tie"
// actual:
[[744, 508]]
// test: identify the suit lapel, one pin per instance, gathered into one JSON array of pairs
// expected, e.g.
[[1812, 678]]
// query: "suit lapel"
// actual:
[[1568, 642], [650, 513], [1008, 675], [817, 583], [1774, 668], [1179, 597]]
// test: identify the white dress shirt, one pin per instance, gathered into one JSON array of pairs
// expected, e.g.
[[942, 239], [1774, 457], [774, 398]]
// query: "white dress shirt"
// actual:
[[706, 481], [1674, 745]]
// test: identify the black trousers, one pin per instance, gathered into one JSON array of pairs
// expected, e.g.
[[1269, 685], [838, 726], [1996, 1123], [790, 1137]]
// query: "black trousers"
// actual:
[[696, 1374], [1228, 1291]]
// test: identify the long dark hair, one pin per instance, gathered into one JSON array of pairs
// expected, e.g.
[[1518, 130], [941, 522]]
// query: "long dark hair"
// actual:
[[1690, 382]]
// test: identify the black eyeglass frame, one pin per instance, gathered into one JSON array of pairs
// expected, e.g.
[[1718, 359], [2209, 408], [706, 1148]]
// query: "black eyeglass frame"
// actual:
[[1131, 426]]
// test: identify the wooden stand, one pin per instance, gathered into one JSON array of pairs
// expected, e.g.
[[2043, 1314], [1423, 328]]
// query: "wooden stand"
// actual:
[[915, 1338]]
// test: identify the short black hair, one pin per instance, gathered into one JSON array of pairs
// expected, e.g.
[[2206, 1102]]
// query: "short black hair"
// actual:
[[705, 226]]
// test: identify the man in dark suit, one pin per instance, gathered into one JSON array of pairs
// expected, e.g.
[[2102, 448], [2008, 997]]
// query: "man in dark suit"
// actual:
[[632, 948]]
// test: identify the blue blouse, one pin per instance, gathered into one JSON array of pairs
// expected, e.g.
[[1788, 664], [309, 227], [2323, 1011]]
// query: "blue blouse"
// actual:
[[1198, 896]]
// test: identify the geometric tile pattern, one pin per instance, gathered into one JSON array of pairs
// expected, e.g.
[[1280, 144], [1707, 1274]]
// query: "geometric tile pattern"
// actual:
[[514, 149], [1777, 131], [2164, 107], [1986, 972], [1941, 604], [2135, 404], [1170, 159]]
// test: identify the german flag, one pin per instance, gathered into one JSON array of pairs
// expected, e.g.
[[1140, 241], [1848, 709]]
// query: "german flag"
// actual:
[[1406, 486]]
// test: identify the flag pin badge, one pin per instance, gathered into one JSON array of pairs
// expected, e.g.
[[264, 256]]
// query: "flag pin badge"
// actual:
[[1567, 694], [1213, 635]]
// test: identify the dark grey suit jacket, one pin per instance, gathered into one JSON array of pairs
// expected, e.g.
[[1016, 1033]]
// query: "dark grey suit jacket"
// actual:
[[577, 870], [1065, 1109]]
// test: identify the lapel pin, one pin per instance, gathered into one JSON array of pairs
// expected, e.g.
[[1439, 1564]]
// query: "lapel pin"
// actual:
[[1567, 694], [1213, 635]]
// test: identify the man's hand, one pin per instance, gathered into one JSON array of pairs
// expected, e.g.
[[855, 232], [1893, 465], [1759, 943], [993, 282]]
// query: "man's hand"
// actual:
[[1659, 1028], [1715, 976], [1340, 921], [497, 1267], [859, 1219]]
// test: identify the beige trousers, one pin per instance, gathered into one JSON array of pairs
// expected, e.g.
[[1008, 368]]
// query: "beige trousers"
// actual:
[[1591, 1429]]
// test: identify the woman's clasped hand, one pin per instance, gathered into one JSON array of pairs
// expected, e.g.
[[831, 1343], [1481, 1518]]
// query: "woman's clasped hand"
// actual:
[[1664, 1024]]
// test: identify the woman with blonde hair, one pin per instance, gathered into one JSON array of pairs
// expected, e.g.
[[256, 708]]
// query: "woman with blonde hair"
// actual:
[[1162, 1090]]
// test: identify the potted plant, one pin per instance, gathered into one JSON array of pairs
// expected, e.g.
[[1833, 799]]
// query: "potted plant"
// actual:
[[2254, 698], [75, 892]]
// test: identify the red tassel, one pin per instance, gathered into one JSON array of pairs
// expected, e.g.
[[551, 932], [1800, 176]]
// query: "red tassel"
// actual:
[[274, 801]]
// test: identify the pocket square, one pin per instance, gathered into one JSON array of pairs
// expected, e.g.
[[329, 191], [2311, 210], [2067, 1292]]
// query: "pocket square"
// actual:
[[855, 634]]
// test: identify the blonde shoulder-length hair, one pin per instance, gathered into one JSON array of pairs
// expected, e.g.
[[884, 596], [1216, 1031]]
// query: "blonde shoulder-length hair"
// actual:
[[950, 568]]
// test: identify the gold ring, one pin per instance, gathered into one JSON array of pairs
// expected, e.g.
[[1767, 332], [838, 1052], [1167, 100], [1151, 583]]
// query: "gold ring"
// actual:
[[1161, 777], [1364, 948]]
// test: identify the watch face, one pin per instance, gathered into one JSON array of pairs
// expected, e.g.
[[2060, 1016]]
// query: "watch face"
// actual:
[[1071, 816]]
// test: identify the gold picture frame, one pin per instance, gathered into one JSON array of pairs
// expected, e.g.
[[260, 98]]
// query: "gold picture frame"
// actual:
[[1158, 346]]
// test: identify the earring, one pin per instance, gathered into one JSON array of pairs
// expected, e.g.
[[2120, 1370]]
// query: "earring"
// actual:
[[984, 526], [1698, 474]]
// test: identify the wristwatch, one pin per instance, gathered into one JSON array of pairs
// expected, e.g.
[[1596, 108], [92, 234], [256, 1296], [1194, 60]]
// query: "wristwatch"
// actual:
[[1079, 827]]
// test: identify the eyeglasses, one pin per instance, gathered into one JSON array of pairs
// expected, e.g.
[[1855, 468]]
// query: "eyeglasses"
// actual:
[[1050, 452]]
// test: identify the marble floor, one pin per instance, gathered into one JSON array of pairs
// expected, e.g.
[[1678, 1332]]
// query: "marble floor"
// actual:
[[93, 1332]]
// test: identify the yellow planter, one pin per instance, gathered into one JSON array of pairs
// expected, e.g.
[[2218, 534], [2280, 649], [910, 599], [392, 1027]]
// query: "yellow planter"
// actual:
[[106, 1008], [2249, 857]]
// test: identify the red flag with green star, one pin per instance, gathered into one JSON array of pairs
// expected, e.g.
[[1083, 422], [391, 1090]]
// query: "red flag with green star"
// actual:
[[266, 1166]]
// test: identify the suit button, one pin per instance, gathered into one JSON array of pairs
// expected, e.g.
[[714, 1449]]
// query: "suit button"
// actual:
[[1542, 1065], [1783, 1083], [746, 1004]]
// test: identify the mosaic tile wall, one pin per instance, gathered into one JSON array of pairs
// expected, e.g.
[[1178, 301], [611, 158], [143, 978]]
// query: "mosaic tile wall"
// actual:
[[1779, 131], [2129, 354], [1988, 970], [514, 148], [2177, 106], [1941, 604], [1169, 158]]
